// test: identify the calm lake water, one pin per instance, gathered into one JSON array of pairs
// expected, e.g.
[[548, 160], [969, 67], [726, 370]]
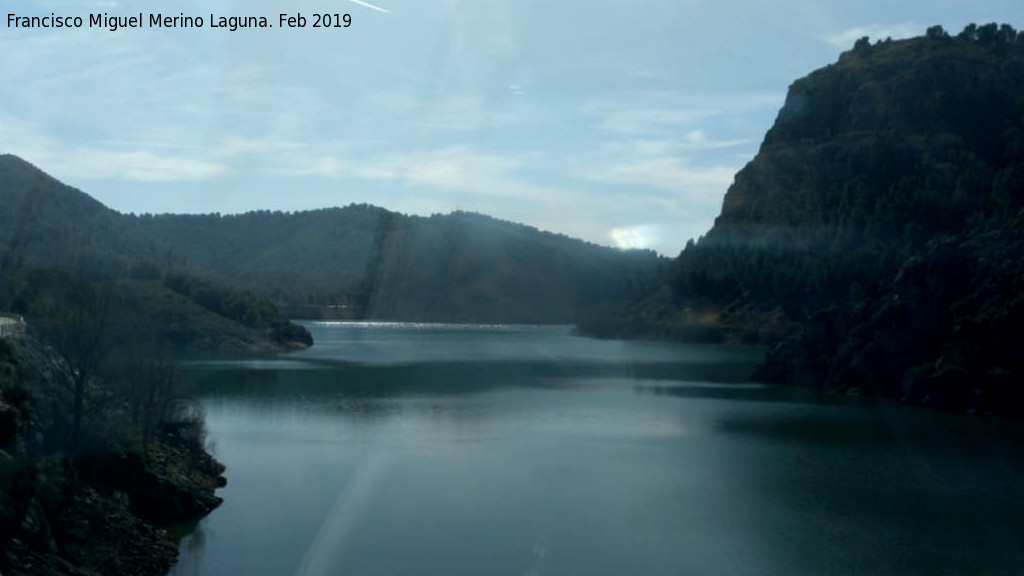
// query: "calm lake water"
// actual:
[[391, 449]]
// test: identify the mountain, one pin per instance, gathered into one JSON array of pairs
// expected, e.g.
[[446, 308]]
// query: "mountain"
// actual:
[[876, 232], [293, 258], [869, 159], [62, 252], [460, 267], [354, 262], [44, 222]]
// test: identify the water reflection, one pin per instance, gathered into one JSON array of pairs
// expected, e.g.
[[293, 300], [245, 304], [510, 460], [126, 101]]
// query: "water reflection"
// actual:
[[549, 454], [191, 537]]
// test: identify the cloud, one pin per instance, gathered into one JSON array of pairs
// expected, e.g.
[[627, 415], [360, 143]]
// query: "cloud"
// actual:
[[663, 112], [465, 112], [451, 169], [81, 163], [642, 121], [703, 186], [662, 165], [846, 38], [698, 140], [151, 162], [124, 116], [140, 165], [234, 147], [692, 141], [335, 166]]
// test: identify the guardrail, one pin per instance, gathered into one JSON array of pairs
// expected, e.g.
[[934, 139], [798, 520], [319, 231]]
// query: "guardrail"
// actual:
[[11, 326]]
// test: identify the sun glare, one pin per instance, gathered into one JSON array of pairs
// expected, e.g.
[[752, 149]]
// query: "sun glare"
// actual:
[[635, 237]]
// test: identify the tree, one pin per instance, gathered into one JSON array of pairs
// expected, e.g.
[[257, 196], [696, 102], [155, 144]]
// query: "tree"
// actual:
[[937, 33], [988, 34], [150, 387], [73, 322], [970, 32]]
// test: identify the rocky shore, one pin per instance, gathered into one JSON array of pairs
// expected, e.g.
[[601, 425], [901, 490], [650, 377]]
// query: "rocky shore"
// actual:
[[114, 521], [100, 503]]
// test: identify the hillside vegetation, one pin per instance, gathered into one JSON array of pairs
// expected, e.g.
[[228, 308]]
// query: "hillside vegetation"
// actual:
[[224, 281], [869, 159], [460, 267], [56, 241]]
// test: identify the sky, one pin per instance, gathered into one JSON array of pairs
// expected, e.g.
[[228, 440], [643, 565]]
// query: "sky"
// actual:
[[621, 122]]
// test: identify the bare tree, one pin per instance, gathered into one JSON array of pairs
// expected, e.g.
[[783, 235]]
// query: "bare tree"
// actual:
[[75, 327], [150, 387]]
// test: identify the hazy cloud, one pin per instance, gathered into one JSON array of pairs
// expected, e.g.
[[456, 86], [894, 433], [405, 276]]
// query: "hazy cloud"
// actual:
[[701, 185], [662, 165], [671, 112], [844, 40]]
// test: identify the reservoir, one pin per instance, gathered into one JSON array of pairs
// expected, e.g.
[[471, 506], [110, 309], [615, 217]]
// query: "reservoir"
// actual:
[[419, 449]]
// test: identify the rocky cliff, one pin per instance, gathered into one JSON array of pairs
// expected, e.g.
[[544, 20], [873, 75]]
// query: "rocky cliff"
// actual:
[[876, 234]]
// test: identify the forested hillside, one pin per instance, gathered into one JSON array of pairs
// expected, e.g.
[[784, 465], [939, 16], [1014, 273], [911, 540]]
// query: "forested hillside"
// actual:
[[298, 258], [362, 261], [63, 254], [877, 229], [46, 223], [459, 267], [869, 159], [468, 267]]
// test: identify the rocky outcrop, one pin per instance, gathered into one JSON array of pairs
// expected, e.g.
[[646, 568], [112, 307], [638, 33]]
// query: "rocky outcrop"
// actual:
[[171, 483], [92, 534], [101, 512], [112, 521]]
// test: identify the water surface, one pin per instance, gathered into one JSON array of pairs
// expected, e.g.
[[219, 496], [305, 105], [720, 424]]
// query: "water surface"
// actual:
[[491, 450]]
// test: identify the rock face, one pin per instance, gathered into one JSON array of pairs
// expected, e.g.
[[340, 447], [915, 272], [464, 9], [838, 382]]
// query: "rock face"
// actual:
[[170, 484], [111, 523]]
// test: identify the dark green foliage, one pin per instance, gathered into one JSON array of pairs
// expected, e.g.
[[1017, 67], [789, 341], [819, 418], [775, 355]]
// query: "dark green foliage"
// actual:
[[237, 305], [285, 333], [148, 313], [946, 333], [313, 257], [936, 33], [353, 262], [467, 267], [58, 245], [369, 262], [46, 223], [145, 271]]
